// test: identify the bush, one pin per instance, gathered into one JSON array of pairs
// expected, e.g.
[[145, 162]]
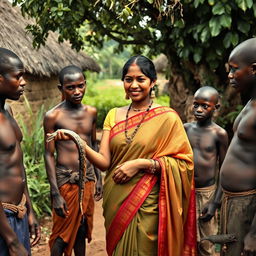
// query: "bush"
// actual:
[[33, 151]]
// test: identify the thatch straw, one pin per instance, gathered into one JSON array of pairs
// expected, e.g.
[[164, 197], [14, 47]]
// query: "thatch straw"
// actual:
[[46, 61]]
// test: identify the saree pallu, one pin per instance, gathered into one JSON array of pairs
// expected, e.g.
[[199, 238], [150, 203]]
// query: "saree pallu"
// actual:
[[151, 215]]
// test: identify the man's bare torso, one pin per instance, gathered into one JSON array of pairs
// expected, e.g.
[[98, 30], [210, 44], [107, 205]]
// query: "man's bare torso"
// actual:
[[238, 172], [12, 177]]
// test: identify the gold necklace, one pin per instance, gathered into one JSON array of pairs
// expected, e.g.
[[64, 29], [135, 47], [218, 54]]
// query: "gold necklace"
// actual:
[[138, 109], [129, 139]]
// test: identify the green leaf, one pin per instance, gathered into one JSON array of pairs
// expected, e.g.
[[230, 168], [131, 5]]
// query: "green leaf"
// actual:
[[249, 3], [150, 1], [215, 26], [227, 40], [211, 2], [242, 4], [218, 9], [54, 9], [234, 39], [243, 26], [196, 3], [205, 35], [254, 9], [225, 21], [197, 57]]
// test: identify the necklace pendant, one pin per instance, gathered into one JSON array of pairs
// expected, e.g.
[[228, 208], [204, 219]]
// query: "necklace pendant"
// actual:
[[128, 140]]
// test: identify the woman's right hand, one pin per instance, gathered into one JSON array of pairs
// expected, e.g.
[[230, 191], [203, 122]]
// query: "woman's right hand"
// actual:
[[125, 171], [58, 135]]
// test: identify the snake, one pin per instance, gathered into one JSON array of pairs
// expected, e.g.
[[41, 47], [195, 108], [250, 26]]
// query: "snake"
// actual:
[[82, 158]]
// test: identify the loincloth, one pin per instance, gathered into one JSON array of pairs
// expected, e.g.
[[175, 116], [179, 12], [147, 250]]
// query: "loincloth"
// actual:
[[203, 197], [18, 220], [237, 212], [20, 209], [66, 228]]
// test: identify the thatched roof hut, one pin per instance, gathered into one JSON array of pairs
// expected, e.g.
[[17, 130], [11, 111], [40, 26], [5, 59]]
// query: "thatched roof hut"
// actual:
[[46, 61], [43, 65]]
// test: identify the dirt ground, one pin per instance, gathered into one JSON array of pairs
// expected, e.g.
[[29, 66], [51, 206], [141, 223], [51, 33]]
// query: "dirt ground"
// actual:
[[95, 248]]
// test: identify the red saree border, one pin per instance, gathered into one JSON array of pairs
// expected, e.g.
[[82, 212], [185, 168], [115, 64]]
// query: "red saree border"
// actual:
[[128, 210], [134, 120], [162, 223], [190, 242]]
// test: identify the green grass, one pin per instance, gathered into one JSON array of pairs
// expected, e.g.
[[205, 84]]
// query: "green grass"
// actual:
[[107, 94]]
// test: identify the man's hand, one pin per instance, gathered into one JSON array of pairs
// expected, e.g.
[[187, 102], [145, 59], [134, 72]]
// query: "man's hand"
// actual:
[[60, 206], [98, 190], [17, 249], [250, 245], [34, 229], [208, 212]]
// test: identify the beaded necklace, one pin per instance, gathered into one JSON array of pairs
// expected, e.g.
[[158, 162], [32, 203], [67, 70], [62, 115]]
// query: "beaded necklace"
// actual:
[[129, 139]]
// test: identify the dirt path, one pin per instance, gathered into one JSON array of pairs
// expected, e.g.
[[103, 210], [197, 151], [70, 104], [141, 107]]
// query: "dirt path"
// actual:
[[95, 248]]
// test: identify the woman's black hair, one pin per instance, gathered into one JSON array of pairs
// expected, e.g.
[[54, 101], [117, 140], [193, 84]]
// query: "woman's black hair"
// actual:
[[146, 66]]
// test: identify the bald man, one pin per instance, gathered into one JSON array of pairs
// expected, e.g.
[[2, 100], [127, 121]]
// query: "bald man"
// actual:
[[238, 172], [209, 143], [70, 226], [16, 214]]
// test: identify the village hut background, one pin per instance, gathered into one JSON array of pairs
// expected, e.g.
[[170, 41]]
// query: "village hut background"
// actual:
[[42, 66]]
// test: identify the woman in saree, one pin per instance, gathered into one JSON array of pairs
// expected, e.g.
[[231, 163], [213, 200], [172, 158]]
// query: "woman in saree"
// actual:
[[148, 197]]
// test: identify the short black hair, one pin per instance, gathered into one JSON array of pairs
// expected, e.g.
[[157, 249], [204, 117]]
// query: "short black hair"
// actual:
[[69, 70], [5, 56], [147, 67]]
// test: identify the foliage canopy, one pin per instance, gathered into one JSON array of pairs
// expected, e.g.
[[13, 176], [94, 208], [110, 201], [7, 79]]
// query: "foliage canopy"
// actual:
[[196, 35], [191, 30]]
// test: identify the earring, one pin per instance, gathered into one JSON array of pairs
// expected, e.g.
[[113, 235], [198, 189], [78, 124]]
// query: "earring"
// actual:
[[127, 96], [152, 93]]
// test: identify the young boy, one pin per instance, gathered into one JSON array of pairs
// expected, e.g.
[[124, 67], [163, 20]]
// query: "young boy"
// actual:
[[238, 171], [209, 142], [17, 220], [68, 232]]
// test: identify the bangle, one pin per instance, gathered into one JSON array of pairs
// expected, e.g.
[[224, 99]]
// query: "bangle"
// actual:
[[152, 169]]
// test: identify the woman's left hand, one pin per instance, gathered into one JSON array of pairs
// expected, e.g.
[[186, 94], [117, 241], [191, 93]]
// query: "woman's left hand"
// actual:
[[125, 171]]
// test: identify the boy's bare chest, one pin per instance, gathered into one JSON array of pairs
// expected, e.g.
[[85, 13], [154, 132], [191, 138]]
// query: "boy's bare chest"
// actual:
[[81, 124], [204, 141]]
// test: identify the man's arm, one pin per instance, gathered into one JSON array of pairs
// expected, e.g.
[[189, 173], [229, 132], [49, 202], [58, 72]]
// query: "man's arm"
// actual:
[[98, 188], [222, 146], [34, 228], [7, 233], [58, 203]]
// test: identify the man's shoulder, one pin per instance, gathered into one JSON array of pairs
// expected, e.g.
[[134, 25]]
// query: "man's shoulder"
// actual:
[[90, 110], [187, 126], [220, 132], [53, 112]]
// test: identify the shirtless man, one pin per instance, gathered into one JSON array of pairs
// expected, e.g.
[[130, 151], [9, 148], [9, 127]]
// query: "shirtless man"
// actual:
[[209, 142], [68, 232], [238, 171], [15, 223]]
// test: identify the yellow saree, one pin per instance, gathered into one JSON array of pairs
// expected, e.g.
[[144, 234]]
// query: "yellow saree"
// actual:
[[149, 214]]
